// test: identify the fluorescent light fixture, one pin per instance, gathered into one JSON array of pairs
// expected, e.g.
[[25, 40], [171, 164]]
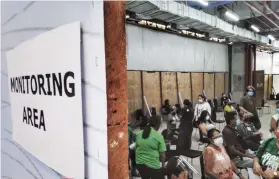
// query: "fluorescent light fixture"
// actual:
[[271, 37], [232, 16], [202, 2], [255, 28], [127, 16]]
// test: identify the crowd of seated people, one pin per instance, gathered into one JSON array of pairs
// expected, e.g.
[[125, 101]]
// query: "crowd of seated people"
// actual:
[[240, 145]]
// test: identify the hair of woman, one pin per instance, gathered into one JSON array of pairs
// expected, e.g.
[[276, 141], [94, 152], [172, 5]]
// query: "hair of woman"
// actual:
[[154, 122], [202, 96]]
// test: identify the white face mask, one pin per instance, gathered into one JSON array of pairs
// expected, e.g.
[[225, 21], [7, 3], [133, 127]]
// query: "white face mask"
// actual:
[[218, 141], [207, 118], [200, 100]]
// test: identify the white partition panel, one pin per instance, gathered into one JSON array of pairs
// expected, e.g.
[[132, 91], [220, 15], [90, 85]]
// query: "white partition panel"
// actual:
[[275, 67], [153, 50], [24, 20], [264, 62]]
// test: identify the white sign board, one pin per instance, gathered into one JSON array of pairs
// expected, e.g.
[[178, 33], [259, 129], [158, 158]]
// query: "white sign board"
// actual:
[[45, 93]]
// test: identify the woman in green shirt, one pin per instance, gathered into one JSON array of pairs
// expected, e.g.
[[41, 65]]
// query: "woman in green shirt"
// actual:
[[150, 150], [266, 162]]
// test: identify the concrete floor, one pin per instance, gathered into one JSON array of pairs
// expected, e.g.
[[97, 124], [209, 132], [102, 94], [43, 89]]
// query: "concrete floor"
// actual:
[[265, 120]]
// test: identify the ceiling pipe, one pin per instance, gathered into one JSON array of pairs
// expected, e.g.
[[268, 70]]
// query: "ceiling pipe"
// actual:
[[260, 12], [268, 8]]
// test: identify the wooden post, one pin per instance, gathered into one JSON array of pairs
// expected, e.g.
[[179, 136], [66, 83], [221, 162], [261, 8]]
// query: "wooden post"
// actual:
[[117, 98]]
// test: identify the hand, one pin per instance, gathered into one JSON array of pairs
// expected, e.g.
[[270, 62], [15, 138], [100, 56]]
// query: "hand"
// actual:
[[268, 174], [257, 169]]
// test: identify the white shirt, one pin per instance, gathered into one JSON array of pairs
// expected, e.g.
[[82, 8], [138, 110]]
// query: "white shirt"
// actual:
[[201, 107]]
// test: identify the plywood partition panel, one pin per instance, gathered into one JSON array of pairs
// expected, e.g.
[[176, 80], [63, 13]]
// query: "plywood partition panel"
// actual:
[[169, 87], [151, 89], [184, 85], [134, 91], [219, 84], [209, 85], [197, 85]]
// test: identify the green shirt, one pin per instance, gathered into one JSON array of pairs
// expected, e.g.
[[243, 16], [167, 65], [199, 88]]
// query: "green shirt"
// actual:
[[148, 150], [270, 156]]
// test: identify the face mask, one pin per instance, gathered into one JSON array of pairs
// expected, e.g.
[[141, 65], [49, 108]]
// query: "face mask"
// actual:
[[218, 141], [207, 118], [277, 110], [250, 93], [200, 100]]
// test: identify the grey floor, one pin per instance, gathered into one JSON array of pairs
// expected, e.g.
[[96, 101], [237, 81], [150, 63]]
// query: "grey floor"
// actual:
[[265, 120]]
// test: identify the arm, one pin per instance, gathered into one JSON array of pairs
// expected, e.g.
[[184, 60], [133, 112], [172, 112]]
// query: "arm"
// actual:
[[163, 158], [196, 112], [209, 109], [241, 106], [234, 151], [257, 167], [235, 170], [208, 161], [273, 124], [162, 150]]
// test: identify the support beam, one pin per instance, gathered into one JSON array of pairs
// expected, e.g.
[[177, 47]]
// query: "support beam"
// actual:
[[117, 98]]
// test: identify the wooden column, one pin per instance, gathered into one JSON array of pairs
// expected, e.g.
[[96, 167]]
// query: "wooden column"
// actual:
[[117, 100]]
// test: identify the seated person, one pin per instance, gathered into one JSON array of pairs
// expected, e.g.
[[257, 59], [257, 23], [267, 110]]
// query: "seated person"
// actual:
[[266, 162], [223, 99], [217, 163], [248, 132], [274, 120], [235, 150], [166, 107], [228, 107], [175, 170], [202, 122]]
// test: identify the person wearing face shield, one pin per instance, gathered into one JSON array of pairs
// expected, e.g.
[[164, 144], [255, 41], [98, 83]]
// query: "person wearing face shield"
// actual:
[[250, 136], [275, 119], [217, 163], [266, 162], [248, 106]]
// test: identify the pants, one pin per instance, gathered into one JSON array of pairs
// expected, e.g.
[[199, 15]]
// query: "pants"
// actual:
[[185, 139], [246, 162], [149, 173]]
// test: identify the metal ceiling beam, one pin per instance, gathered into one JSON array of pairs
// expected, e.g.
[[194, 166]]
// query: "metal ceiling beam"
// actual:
[[260, 12], [268, 8]]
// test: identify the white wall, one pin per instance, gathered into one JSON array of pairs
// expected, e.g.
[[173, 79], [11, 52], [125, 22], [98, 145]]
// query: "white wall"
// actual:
[[275, 68], [158, 51], [24, 20], [264, 62]]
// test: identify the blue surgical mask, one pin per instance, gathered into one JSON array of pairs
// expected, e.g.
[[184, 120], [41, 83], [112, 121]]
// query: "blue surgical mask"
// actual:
[[250, 93], [277, 110]]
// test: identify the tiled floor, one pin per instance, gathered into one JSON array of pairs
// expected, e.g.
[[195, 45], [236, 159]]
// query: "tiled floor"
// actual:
[[265, 120]]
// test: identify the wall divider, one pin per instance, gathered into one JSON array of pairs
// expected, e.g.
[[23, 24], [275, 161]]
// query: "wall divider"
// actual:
[[158, 86]]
